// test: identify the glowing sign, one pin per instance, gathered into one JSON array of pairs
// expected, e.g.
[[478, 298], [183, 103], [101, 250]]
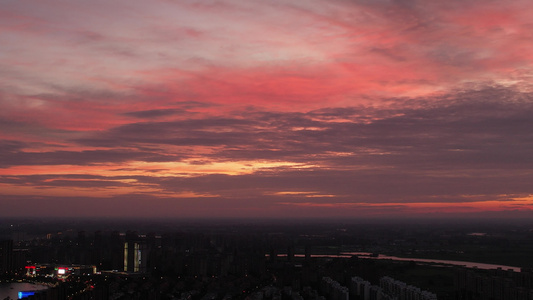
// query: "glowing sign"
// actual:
[[25, 294], [61, 271]]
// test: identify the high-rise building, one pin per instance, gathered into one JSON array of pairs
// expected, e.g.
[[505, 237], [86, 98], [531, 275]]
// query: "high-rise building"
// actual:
[[360, 288], [6, 256], [334, 290], [135, 254], [403, 291], [132, 257]]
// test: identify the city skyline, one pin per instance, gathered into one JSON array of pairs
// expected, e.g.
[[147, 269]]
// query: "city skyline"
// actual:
[[278, 109]]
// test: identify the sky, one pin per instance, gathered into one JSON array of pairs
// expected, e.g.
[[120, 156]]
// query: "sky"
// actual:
[[266, 109]]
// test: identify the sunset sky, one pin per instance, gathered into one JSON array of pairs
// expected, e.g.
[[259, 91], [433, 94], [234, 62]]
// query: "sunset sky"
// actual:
[[279, 109]]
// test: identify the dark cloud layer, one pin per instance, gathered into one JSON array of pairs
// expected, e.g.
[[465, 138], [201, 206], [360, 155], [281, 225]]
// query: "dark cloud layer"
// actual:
[[85, 157], [465, 147], [481, 129]]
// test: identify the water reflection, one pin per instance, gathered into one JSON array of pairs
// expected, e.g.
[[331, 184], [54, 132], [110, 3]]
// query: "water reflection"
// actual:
[[368, 255], [11, 289]]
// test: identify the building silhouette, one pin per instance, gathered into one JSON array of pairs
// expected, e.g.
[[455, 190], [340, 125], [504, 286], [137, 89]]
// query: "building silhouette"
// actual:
[[6, 256]]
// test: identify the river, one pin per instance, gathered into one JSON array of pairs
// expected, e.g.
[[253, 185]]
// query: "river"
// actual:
[[367, 255], [12, 289], [467, 264]]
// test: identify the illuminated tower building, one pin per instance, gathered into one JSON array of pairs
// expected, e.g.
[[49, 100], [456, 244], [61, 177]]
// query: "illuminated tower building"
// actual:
[[135, 254]]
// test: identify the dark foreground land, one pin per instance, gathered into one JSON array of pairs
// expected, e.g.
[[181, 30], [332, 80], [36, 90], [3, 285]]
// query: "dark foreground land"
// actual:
[[265, 259]]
